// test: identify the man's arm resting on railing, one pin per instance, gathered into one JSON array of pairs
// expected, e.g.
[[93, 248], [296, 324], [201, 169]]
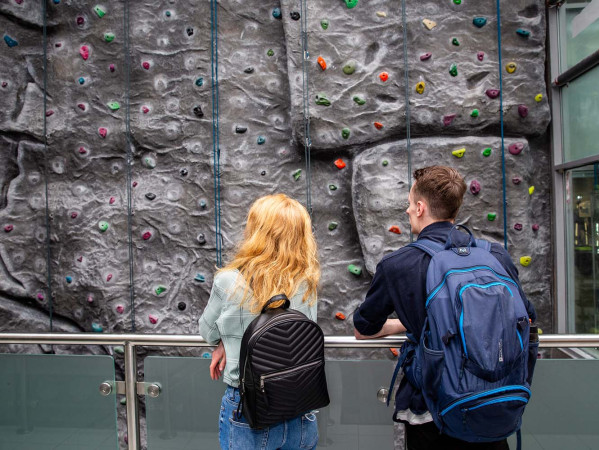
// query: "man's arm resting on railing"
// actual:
[[391, 326]]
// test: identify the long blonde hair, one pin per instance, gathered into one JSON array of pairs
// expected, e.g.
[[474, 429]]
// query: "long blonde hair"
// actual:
[[278, 252]]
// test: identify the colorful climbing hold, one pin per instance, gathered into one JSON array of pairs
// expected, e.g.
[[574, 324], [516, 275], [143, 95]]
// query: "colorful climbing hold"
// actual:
[[167, 13], [276, 13], [81, 106], [297, 174], [523, 110], [518, 226], [525, 260], [99, 11], [120, 309], [332, 187], [82, 151], [531, 190], [147, 235], [8, 228], [40, 296], [345, 132], [270, 52], [333, 226], [381, 14], [516, 148], [149, 162], [69, 279], [103, 226], [108, 277], [491, 217], [119, 349], [10, 41], [487, 151], [339, 163], [240, 130], [261, 140], [84, 52], [448, 119], [453, 70], [429, 24], [492, 93], [455, 42], [200, 81], [4, 84], [474, 113], [146, 65], [511, 67], [394, 229], [109, 37], [391, 349], [80, 259], [321, 99], [351, 3], [199, 277], [49, 113], [378, 125], [385, 163], [474, 187], [74, 215], [150, 196], [111, 201], [160, 289], [359, 100], [340, 316], [522, 32], [425, 56], [516, 180], [153, 319], [350, 67], [181, 306], [102, 132], [480, 56], [322, 63], [324, 23], [80, 20], [420, 87], [294, 15], [538, 97], [355, 270], [535, 227], [459, 152], [115, 106], [111, 68], [479, 22], [203, 203], [457, 2], [384, 76], [97, 328]]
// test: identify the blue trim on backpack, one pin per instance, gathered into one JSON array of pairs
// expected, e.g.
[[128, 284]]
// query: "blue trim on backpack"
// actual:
[[485, 394], [499, 400]]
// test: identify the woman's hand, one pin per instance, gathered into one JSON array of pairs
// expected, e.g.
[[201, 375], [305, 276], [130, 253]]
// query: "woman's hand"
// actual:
[[219, 360]]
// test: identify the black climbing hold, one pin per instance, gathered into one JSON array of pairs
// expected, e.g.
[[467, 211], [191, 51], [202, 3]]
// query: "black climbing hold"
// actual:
[[201, 238], [183, 172], [189, 31], [181, 306], [198, 111], [294, 15], [263, 173], [150, 196], [240, 130], [249, 70]]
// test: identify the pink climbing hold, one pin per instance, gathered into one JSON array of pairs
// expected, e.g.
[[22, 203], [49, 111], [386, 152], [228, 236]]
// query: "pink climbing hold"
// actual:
[[523, 110], [111, 201], [147, 235], [109, 277], [145, 109], [153, 319], [516, 148], [474, 187], [84, 52], [90, 298], [518, 227], [448, 119], [49, 112], [120, 309], [82, 150], [492, 93], [425, 56], [80, 259], [111, 68], [81, 106], [535, 227], [145, 65], [102, 132], [40, 296], [480, 56], [516, 180], [80, 20], [8, 228], [74, 215]]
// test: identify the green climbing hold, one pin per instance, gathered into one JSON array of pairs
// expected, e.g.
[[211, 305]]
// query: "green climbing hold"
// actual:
[[297, 174], [321, 99], [474, 113], [160, 289], [324, 23], [345, 133], [455, 42], [119, 349], [491, 217], [351, 3], [150, 162], [349, 67], [333, 226], [332, 187], [457, 2], [97, 328], [453, 70], [270, 52], [199, 81], [385, 163], [199, 277], [109, 37], [99, 11], [487, 151], [359, 100], [167, 13], [123, 401], [115, 106], [479, 22], [356, 270], [103, 226]]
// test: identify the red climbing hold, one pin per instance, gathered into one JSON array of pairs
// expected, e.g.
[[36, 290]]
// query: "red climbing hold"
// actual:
[[378, 125], [49, 112], [516, 148], [535, 227], [102, 132], [109, 277], [9, 228], [384, 76], [339, 163], [84, 52], [145, 65], [145, 109], [80, 20], [120, 309], [480, 55], [74, 215], [81, 106], [394, 351], [394, 229], [112, 200], [340, 316], [82, 150], [322, 63], [153, 320], [147, 235]]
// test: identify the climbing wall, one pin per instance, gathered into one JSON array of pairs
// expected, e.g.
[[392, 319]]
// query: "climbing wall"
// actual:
[[126, 157]]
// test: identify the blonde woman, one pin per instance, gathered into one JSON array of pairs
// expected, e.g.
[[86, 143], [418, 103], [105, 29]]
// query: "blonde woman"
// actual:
[[278, 255]]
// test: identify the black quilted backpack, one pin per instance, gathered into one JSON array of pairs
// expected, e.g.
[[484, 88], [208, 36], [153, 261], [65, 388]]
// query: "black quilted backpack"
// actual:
[[281, 366]]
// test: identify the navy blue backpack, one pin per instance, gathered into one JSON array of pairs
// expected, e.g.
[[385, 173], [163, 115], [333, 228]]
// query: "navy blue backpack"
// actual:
[[474, 362]]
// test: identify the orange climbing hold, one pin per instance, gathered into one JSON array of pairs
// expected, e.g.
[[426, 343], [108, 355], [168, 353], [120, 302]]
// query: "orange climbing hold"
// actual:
[[395, 229], [394, 351], [322, 63], [384, 76], [378, 125], [340, 316], [340, 164]]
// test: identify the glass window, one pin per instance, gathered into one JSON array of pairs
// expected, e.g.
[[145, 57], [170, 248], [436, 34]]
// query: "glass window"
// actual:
[[580, 32], [582, 244]]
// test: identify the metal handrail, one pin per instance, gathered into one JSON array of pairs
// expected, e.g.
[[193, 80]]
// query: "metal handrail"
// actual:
[[195, 340]]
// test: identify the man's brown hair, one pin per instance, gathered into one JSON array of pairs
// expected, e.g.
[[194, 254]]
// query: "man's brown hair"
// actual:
[[443, 189]]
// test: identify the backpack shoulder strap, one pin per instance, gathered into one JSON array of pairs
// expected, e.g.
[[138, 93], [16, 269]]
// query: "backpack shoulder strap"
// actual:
[[485, 245], [427, 246]]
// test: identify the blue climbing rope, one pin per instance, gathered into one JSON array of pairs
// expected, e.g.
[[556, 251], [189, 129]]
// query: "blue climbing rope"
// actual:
[[129, 163], [501, 125], [215, 130], [407, 96], [306, 105]]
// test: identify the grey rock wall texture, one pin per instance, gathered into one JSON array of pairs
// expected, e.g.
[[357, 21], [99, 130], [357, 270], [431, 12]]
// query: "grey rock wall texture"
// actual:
[[78, 145]]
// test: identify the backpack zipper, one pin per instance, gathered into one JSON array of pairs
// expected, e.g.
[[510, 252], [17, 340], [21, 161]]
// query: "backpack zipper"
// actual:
[[263, 378]]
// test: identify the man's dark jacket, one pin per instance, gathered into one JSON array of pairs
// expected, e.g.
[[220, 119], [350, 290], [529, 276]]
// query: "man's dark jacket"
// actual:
[[399, 285]]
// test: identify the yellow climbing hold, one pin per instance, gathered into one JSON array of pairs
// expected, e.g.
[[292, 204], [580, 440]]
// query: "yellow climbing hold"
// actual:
[[420, 87], [459, 153], [531, 190], [510, 67], [538, 97], [525, 260], [381, 13], [429, 23]]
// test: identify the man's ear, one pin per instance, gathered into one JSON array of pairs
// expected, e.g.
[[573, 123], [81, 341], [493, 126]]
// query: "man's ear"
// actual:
[[420, 208]]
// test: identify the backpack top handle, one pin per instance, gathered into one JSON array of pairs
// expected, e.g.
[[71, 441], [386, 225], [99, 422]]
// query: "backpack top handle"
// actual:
[[277, 298], [449, 243]]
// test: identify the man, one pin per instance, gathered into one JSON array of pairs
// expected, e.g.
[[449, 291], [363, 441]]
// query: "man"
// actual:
[[399, 285]]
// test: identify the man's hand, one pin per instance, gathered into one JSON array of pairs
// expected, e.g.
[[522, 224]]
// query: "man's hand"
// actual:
[[219, 360], [391, 326]]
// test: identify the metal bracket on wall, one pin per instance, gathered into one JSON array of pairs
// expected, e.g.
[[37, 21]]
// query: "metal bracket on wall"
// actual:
[[142, 388]]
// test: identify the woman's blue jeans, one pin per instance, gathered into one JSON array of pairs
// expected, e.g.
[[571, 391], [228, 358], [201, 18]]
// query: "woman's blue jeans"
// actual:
[[298, 433]]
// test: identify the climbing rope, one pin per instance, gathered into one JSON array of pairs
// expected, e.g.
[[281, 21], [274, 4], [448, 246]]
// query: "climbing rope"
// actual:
[[129, 163], [407, 96], [48, 251], [306, 100], [501, 126], [215, 131]]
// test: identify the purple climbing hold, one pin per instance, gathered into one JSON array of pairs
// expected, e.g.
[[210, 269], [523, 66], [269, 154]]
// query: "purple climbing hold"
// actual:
[[474, 187], [146, 65], [518, 227], [111, 68], [49, 112], [80, 20], [492, 93], [109, 277], [120, 309], [80, 259], [8, 228], [516, 180], [82, 151], [535, 227], [40, 296], [147, 235], [425, 56], [81, 106], [516, 148], [448, 119], [153, 319], [102, 132], [90, 298], [4, 84], [480, 56], [523, 110], [74, 215]]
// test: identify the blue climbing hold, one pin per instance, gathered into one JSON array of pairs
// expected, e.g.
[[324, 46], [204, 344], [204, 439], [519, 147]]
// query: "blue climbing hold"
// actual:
[[10, 41], [276, 13], [523, 33], [199, 277], [206, 355], [199, 81], [69, 279], [81, 80], [261, 140], [479, 22], [97, 328]]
